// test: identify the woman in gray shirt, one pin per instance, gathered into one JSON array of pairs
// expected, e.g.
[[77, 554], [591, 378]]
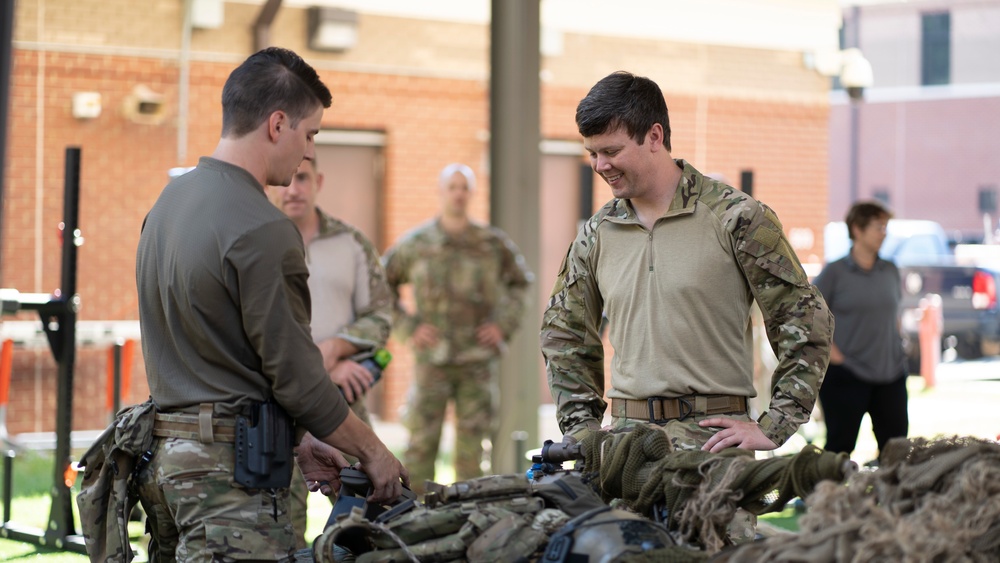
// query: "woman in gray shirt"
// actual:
[[867, 372]]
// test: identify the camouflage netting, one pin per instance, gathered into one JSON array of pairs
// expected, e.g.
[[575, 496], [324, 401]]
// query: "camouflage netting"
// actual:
[[930, 501], [697, 493], [509, 518]]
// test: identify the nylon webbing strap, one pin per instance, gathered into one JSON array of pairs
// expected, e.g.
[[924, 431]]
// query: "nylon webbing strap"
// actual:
[[205, 423], [199, 427]]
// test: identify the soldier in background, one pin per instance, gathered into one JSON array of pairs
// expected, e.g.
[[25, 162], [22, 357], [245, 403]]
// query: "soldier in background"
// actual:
[[351, 302], [469, 283], [675, 262]]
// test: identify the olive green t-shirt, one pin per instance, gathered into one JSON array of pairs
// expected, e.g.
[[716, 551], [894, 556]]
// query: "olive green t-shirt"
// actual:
[[224, 302]]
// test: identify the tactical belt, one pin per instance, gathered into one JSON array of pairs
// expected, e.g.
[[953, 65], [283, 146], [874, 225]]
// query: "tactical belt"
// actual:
[[202, 426], [659, 410]]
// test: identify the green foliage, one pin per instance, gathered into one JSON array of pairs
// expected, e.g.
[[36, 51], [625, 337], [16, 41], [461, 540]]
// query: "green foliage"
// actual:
[[32, 472], [31, 506], [787, 519]]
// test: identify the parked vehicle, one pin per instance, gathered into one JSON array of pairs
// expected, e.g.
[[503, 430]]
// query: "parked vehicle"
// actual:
[[907, 241], [969, 308]]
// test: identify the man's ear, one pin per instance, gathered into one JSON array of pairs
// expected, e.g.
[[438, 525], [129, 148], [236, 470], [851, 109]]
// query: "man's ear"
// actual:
[[655, 137], [319, 181], [277, 123]]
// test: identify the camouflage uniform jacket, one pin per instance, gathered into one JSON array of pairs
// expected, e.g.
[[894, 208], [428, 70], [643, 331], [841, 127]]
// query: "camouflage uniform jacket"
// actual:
[[350, 297], [459, 282], [684, 329]]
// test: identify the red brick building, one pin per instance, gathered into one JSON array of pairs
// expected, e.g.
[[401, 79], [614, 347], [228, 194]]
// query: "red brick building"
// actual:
[[410, 96]]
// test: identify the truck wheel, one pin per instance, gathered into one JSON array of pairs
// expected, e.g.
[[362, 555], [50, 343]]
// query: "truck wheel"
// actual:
[[969, 348], [912, 351]]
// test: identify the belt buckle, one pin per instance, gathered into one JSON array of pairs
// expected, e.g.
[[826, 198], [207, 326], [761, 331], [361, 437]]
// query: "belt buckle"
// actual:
[[649, 405], [682, 402], [685, 408]]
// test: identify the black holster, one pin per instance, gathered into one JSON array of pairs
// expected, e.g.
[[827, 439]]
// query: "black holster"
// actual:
[[265, 439]]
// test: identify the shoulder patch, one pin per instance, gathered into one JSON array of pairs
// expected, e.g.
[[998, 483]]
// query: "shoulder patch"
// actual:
[[766, 236]]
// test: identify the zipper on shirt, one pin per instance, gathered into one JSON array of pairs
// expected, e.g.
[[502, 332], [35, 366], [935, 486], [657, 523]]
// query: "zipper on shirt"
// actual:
[[649, 238]]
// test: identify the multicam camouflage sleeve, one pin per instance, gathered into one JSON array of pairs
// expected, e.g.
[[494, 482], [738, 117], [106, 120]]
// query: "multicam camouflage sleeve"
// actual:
[[373, 319], [397, 266], [798, 323], [516, 278], [571, 340]]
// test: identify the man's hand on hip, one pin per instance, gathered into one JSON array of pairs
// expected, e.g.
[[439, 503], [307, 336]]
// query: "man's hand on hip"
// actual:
[[742, 434]]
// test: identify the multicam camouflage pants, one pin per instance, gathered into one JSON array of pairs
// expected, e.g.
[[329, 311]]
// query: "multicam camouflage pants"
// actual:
[[197, 512], [300, 494], [471, 387], [686, 435]]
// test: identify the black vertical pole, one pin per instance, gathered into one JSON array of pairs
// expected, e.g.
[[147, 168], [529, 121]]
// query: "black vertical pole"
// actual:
[[746, 182], [61, 519], [8, 481], [116, 404], [6, 64], [586, 209]]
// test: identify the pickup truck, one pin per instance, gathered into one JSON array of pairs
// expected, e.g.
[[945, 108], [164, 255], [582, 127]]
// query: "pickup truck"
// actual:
[[970, 309]]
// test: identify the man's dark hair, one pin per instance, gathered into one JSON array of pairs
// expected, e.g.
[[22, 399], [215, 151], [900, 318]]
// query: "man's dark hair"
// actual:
[[864, 212], [623, 100], [271, 79]]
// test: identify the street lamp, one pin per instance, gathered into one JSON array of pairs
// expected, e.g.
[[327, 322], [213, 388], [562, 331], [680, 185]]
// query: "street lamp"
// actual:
[[855, 74]]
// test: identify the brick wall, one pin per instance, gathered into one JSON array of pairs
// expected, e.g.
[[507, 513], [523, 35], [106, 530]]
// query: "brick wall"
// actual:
[[422, 83]]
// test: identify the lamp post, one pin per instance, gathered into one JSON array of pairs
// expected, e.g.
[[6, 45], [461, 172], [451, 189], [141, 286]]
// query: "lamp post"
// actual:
[[855, 76]]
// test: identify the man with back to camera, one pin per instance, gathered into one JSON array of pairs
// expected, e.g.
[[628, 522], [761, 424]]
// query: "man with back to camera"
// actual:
[[224, 311], [675, 262], [469, 283], [351, 302]]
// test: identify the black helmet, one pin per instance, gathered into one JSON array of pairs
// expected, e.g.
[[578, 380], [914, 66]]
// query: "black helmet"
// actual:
[[603, 535]]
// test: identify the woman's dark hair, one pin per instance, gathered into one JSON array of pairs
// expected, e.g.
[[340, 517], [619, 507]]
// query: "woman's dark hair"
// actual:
[[864, 212]]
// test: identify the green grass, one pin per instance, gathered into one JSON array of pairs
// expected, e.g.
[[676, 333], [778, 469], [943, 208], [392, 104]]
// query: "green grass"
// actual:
[[787, 519], [31, 507]]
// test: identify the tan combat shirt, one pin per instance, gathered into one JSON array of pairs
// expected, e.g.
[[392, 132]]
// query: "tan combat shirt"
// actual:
[[350, 297], [224, 302], [678, 300]]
